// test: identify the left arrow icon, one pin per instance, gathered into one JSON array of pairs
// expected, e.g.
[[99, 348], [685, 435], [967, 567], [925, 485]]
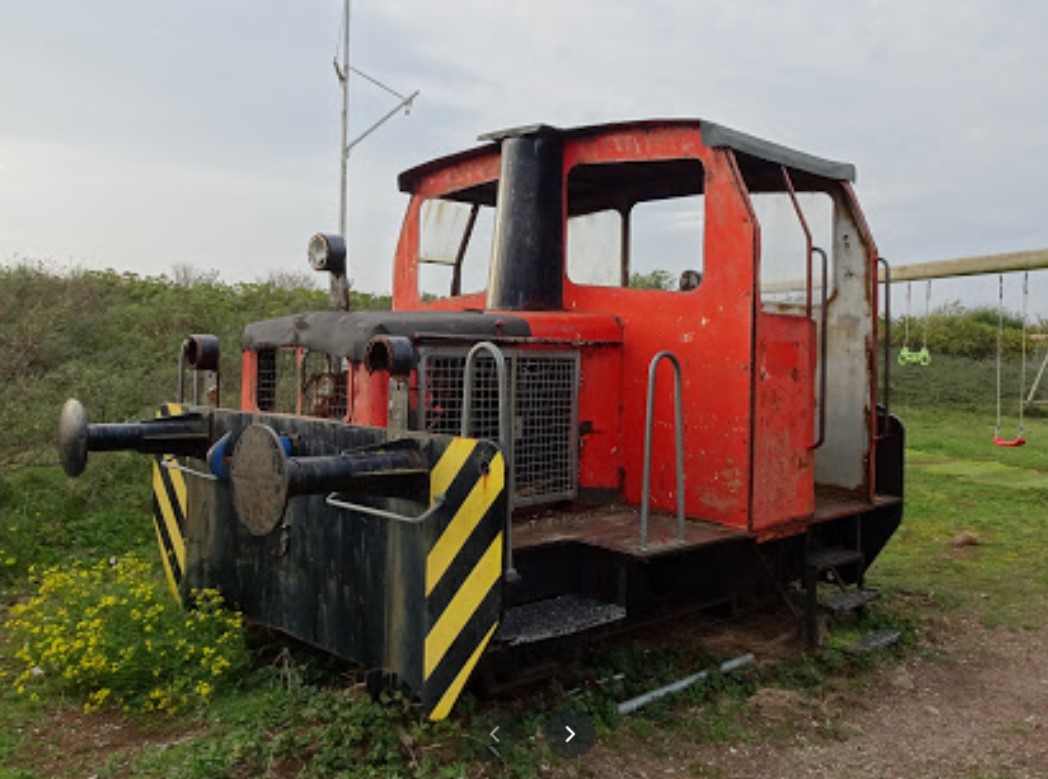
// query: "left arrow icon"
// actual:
[[493, 736]]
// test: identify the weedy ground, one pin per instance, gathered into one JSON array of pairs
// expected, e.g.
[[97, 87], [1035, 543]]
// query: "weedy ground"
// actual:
[[971, 554]]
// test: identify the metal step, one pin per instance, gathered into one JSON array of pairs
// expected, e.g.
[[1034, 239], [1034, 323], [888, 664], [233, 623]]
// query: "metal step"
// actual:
[[849, 600], [832, 557], [563, 615], [874, 640]]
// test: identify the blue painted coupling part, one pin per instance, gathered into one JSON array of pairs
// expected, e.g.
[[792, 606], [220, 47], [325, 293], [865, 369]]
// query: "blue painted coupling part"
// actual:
[[218, 455], [630, 706]]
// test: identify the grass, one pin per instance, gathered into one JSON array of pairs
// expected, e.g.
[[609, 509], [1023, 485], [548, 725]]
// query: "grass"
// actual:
[[973, 535]]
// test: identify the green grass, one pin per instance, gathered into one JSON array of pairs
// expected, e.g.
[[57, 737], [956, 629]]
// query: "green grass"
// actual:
[[958, 482]]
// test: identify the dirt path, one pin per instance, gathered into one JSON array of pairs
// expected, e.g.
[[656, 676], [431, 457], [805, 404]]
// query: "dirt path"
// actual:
[[976, 708]]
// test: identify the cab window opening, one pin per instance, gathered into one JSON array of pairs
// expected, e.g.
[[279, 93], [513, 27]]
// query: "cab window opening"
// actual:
[[637, 224], [455, 240]]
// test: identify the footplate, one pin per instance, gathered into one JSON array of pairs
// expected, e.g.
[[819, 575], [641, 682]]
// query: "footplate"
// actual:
[[564, 615]]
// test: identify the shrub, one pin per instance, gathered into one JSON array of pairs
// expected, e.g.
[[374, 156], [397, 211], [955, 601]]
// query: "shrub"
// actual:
[[112, 633]]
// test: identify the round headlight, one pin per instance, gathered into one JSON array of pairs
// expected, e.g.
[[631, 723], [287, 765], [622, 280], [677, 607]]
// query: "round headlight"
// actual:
[[327, 252]]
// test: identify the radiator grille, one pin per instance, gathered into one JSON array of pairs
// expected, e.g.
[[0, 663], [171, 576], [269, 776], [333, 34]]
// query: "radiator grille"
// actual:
[[543, 391]]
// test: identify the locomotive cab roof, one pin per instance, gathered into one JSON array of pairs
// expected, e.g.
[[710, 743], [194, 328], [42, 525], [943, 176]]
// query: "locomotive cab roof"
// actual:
[[750, 148]]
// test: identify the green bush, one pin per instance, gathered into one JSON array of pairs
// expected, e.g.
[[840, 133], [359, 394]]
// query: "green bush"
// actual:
[[112, 633], [112, 340]]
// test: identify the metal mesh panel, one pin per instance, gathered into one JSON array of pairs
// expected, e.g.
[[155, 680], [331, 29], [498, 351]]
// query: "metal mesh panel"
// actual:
[[323, 390], [281, 377], [277, 380], [542, 391], [545, 408], [442, 393]]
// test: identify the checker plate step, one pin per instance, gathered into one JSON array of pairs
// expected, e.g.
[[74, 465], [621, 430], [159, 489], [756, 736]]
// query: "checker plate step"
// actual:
[[563, 615], [874, 640], [825, 559], [849, 600]]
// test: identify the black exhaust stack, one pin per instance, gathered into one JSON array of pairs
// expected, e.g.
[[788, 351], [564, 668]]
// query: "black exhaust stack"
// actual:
[[527, 264]]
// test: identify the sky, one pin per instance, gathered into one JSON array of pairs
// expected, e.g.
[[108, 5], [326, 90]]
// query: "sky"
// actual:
[[144, 135]]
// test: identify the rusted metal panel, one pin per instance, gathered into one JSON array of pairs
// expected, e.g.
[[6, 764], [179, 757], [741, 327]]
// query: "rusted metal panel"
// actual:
[[783, 461], [844, 459]]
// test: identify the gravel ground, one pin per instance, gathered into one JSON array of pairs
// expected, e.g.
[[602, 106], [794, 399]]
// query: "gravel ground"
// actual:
[[974, 708]]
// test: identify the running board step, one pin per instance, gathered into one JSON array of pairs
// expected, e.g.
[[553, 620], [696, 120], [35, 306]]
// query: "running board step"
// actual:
[[826, 559], [874, 640], [563, 615], [849, 600]]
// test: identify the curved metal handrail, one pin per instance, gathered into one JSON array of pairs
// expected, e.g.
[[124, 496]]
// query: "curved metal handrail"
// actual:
[[678, 425]]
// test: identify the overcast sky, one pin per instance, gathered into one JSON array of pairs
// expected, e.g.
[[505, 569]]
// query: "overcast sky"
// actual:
[[141, 135]]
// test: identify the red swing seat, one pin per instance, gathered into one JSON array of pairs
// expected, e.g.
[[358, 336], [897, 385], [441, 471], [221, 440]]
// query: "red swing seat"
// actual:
[[1017, 441]]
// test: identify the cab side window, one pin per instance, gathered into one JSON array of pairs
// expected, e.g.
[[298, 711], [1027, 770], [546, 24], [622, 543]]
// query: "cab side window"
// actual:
[[637, 224]]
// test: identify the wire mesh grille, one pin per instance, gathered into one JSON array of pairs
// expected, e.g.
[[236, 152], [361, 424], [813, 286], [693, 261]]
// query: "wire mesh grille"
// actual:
[[282, 378], [545, 404], [323, 389], [277, 388], [542, 392]]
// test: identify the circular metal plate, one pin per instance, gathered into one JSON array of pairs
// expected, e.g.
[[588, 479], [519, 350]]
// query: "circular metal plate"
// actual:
[[259, 478], [72, 437]]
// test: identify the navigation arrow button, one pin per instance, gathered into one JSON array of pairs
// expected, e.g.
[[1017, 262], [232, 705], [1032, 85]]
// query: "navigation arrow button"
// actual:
[[569, 734]]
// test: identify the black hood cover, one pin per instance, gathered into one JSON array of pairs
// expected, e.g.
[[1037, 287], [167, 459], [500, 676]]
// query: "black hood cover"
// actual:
[[347, 334]]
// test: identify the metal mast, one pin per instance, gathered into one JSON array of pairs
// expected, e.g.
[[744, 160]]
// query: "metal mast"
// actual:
[[340, 281]]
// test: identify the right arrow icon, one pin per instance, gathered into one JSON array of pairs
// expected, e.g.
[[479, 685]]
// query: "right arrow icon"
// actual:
[[569, 733]]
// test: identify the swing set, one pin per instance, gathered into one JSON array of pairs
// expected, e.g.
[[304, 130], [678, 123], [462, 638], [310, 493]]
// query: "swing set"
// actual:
[[1000, 264], [1011, 262]]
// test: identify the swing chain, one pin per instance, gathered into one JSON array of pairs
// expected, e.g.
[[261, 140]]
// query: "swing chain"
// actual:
[[927, 313], [1020, 439], [906, 319], [908, 356], [1022, 368]]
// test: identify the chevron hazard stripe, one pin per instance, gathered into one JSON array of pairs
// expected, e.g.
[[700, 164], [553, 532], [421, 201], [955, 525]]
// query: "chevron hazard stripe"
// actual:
[[169, 511], [463, 570]]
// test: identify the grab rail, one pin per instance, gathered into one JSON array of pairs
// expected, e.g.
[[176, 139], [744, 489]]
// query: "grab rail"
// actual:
[[887, 335], [505, 430], [823, 357], [678, 425]]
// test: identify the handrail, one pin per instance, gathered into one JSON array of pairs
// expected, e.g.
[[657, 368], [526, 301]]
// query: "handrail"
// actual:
[[809, 245], [823, 342], [505, 430], [173, 465], [887, 336], [438, 501], [679, 429]]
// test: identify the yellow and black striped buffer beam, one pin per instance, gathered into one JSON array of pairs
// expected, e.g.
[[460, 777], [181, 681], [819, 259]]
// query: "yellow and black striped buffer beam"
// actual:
[[169, 510], [464, 567]]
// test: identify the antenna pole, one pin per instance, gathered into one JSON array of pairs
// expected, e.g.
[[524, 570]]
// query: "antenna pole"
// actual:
[[339, 281]]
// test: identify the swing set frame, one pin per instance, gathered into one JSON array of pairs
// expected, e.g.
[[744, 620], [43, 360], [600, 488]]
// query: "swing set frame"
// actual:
[[986, 265], [981, 265]]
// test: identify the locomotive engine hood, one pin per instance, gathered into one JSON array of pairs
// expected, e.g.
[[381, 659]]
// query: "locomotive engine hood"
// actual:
[[349, 334]]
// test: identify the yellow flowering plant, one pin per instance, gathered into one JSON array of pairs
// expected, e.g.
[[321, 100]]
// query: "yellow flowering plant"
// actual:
[[112, 633]]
